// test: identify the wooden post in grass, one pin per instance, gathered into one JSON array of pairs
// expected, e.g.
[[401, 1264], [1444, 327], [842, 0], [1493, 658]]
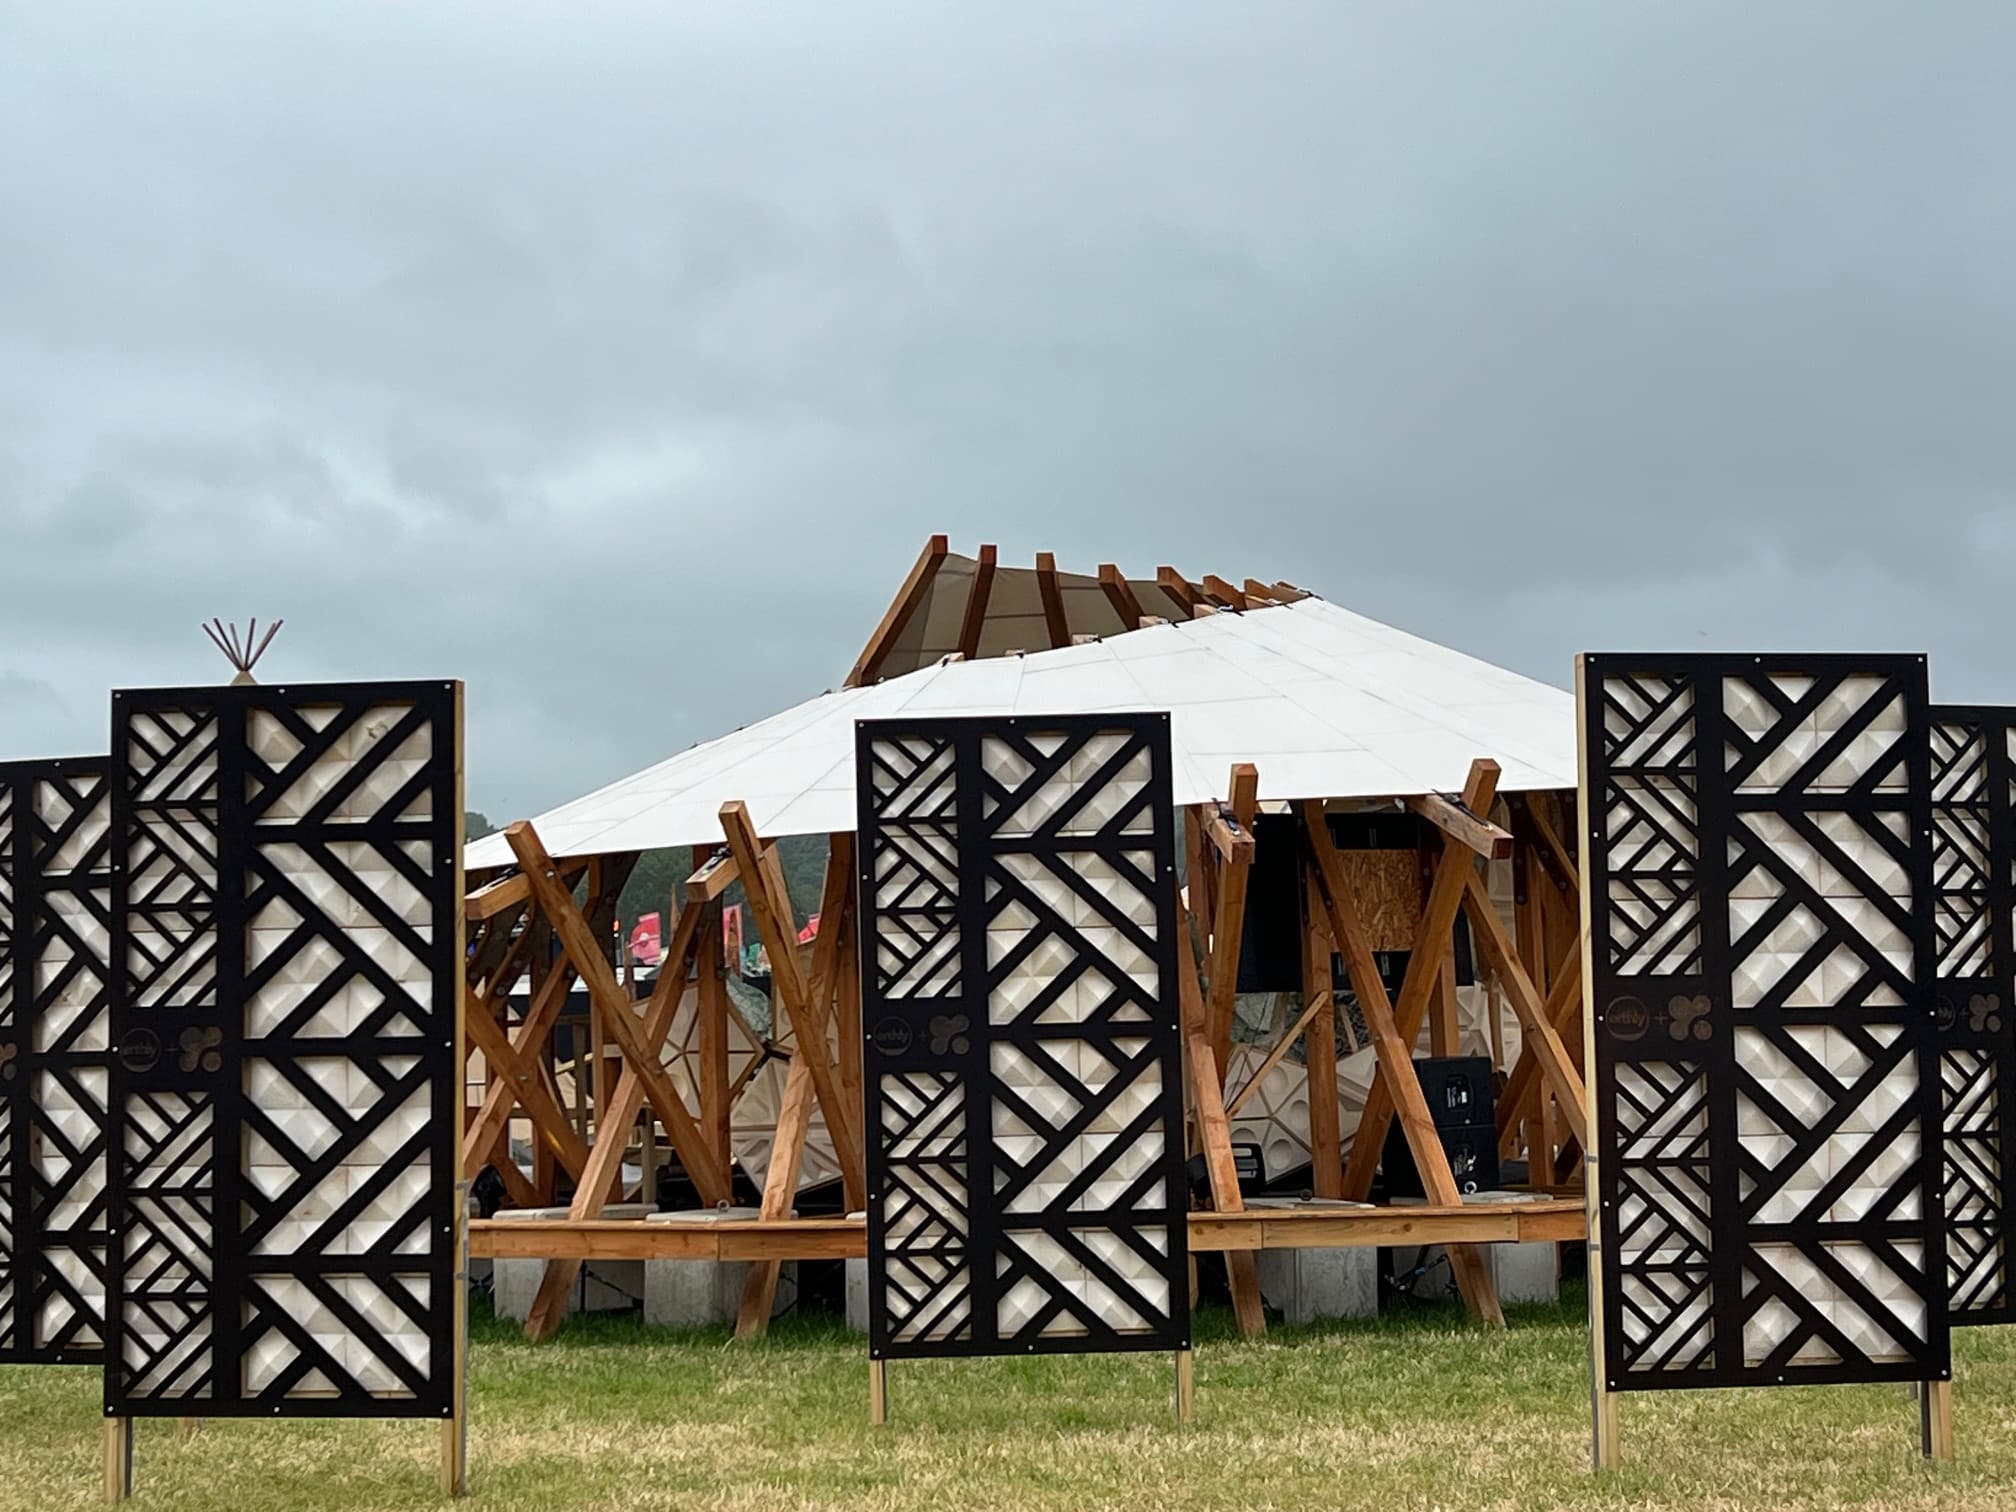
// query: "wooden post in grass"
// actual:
[[118, 1458], [1186, 1386], [878, 1393]]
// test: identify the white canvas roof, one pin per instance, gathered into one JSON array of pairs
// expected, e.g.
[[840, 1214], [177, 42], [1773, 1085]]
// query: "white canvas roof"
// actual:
[[1326, 703]]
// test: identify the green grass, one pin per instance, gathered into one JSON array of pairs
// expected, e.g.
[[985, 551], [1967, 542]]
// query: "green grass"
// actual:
[[1416, 1412]]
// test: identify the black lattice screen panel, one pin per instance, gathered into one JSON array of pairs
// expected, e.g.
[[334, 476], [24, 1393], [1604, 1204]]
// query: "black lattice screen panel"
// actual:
[[55, 905], [1024, 1101], [285, 1089], [1974, 894], [1766, 1059]]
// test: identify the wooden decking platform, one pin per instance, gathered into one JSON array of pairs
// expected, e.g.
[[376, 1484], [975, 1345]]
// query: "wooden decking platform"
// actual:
[[1548, 1219]]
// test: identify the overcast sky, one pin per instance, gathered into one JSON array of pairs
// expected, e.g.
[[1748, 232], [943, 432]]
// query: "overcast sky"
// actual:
[[619, 358]]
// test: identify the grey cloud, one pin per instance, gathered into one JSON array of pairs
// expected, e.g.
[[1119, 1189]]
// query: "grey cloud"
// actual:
[[619, 357]]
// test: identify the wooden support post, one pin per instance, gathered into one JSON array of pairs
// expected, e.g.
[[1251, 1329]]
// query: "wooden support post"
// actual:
[[118, 1458], [1214, 1134], [878, 1393], [770, 903], [710, 1011], [605, 1160], [1396, 1062], [909, 598], [1244, 786], [455, 1427], [1319, 1051], [1445, 1025], [1186, 1387], [1438, 918]]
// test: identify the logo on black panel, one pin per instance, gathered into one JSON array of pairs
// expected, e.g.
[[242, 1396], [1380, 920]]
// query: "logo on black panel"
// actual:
[[1946, 1010], [139, 1050], [948, 1034], [1627, 1019], [1688, 1017], [892, 1036]]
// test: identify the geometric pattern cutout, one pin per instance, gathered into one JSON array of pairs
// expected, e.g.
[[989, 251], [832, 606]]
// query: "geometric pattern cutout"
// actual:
[[1768, 1080], [283, 1016], [55, 907], [1974, 896], [1026, 1190]]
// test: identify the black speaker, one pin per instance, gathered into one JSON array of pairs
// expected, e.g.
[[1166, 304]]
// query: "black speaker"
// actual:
[[1463, 1104], [1270, 934]]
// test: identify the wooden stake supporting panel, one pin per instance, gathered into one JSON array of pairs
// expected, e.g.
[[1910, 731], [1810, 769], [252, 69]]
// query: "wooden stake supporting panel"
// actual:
[[1935, 1419], [118, 1459], [878, 1393], [1186, 1386]]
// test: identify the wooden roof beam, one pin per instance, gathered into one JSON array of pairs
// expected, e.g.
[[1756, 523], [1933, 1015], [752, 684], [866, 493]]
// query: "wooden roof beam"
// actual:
[[1120, 596], [1053, 599], [1466, 828], [1223, 592], [908, 598], [1180, 588], [975, 618]]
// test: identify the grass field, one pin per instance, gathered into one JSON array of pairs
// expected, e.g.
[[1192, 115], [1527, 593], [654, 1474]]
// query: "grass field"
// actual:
[[1421, 1412]]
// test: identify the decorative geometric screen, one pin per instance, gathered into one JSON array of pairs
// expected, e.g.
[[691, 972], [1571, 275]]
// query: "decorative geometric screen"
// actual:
[[1767, 1067], [55, 905], [1023, 1091], [1973, 787], [285, 1088]]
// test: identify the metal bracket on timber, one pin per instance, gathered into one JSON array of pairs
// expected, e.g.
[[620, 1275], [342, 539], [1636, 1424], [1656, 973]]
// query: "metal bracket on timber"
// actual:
[[794, 1119], [899, 612]]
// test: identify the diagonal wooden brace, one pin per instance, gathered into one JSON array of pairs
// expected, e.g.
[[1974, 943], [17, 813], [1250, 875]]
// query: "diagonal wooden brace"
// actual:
[[1396, 1062], [1438, 918]]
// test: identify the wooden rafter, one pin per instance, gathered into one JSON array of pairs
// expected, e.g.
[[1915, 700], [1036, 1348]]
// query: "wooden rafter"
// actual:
[[975, 617], [1319, 1057], [1178, 587], [1515, 1103], [1047, 587], [1228, 594], [1396, 1061], [1120, 595], [1555, 853], [511, 892], [1438, 918], [912, 594]]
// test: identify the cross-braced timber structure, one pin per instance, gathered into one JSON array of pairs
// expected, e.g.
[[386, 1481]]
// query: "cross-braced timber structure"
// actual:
[[543, 924]]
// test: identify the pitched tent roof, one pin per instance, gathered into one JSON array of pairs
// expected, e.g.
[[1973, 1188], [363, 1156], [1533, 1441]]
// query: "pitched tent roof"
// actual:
[[1326, 703]]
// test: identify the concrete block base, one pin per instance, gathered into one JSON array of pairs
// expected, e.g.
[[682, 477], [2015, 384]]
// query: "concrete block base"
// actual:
[[1306, 1285], [706, 1293], [602, 1286]]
